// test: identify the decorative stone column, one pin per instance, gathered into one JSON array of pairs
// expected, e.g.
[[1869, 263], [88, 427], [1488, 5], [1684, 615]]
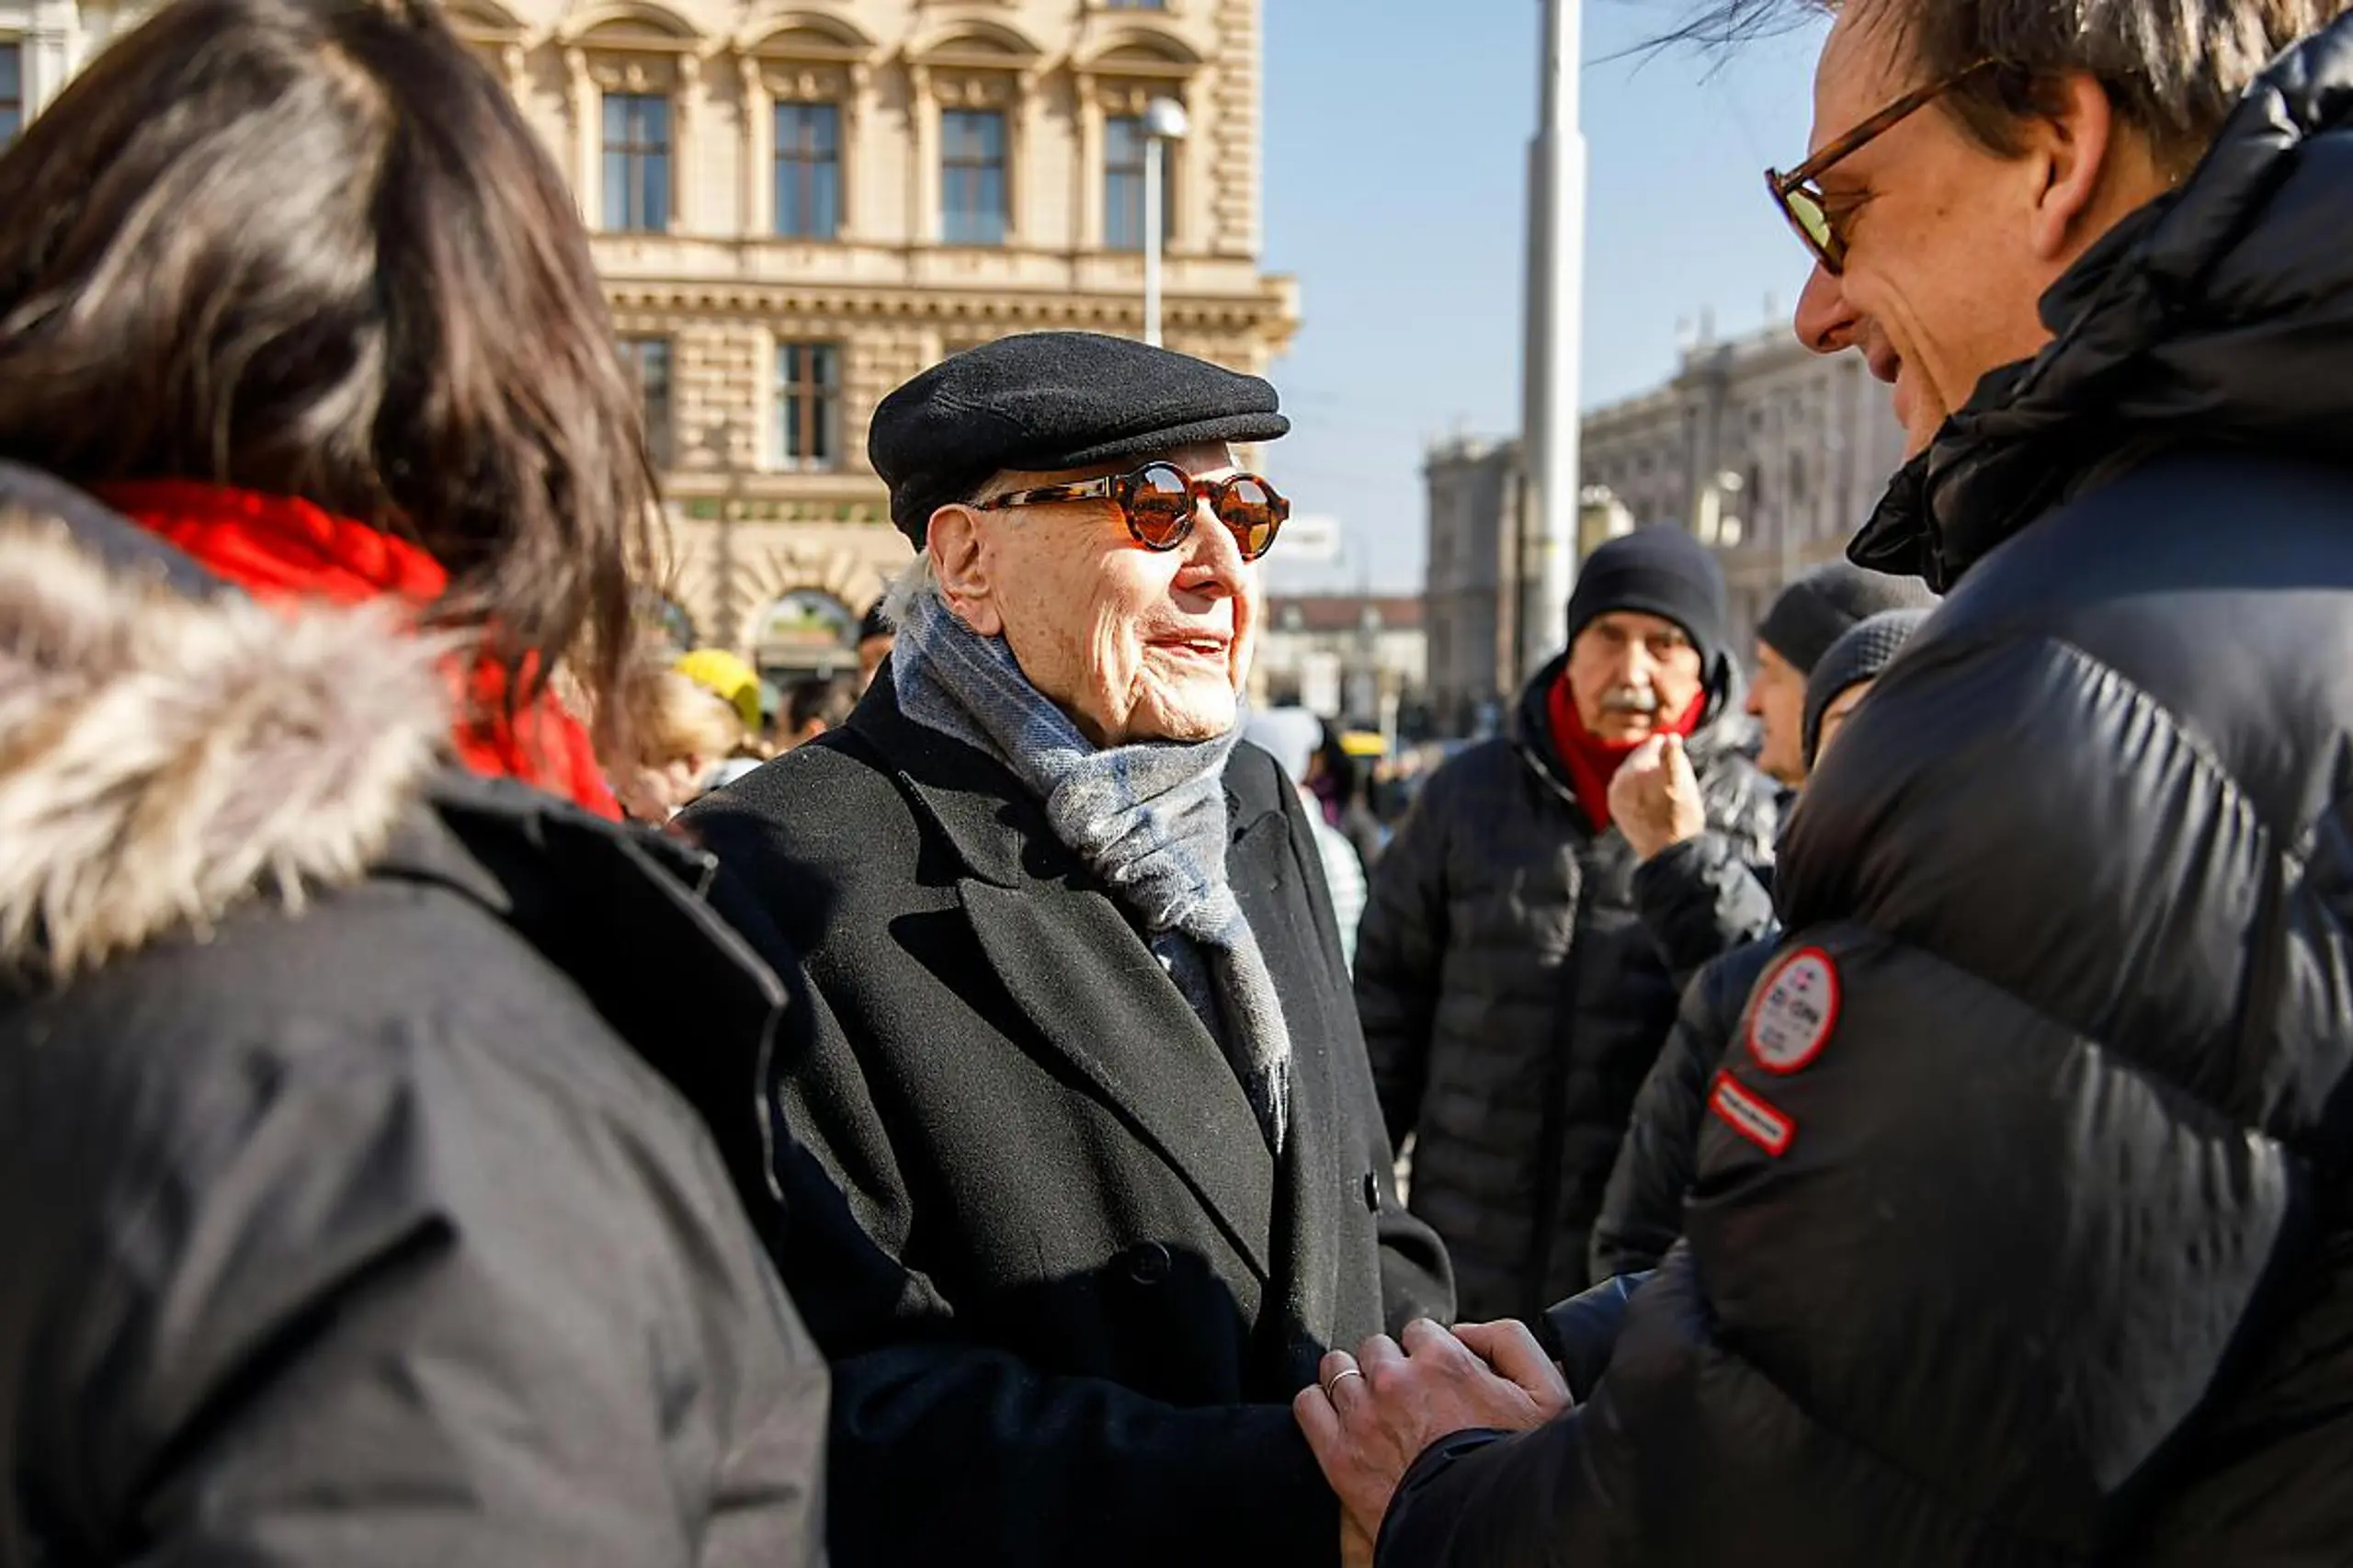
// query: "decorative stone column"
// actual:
[[584, 107], [922, 154], [1089, 152], [758, 187], [687, 99]]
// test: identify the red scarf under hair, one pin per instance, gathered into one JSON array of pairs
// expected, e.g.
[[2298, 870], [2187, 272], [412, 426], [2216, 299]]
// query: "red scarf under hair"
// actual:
[[283, 551], [1593, 762]]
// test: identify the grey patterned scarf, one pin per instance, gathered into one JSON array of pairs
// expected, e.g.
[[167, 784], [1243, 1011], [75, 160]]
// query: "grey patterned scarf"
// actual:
[[1149, 819]]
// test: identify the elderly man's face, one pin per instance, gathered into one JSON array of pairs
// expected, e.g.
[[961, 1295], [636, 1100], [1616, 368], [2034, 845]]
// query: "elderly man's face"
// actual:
[[1777, 700], [1134, 644], [1950, 246], [1631, 675]]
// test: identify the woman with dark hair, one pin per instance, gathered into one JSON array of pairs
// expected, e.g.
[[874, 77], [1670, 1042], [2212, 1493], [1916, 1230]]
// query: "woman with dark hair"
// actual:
[[354, 1202]]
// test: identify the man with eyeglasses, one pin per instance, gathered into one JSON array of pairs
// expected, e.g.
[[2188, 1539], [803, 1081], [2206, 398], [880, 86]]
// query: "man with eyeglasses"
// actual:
[[2023, 1225], [1098, 1174]]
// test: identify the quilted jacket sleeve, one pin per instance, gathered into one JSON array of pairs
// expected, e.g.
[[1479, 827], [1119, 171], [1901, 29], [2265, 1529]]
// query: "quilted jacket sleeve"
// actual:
[[1641, 1212]]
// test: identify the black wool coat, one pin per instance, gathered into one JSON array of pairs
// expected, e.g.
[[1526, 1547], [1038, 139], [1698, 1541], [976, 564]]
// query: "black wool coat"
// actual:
[[1067, 1289], [2029, 1240]]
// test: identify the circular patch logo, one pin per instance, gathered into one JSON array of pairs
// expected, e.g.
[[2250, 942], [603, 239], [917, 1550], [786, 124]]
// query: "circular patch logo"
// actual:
[[1796, 1009]]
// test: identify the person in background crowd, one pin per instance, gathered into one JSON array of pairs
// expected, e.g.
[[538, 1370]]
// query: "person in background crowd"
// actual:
[[813, 707], [1089, 1075], [1805, 618], [1695, 896], [730, 679], [1291, 735], [1337, 781], [874, 639], [347, 1214], [2021, 1230], [681, 737], [1642, 1210], [1511, 999]]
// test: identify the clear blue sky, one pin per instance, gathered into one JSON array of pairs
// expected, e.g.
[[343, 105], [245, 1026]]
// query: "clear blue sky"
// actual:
[[1396, 173]]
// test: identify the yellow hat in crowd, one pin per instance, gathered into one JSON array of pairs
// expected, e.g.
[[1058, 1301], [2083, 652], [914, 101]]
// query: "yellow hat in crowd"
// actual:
[[734, 681]]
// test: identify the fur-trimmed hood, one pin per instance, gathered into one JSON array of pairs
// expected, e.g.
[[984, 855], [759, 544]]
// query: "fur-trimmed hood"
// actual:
[[164, 756]]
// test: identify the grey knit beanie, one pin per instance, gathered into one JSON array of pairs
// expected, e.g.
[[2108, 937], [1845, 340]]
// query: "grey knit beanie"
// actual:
[[1860, 654], [1815, 610]]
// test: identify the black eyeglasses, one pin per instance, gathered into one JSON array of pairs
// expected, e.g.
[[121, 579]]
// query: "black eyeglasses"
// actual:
[[1801, 201], [1160, 500]]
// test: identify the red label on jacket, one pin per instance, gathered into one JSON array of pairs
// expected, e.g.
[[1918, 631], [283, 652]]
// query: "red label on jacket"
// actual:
[[1749, 1114]]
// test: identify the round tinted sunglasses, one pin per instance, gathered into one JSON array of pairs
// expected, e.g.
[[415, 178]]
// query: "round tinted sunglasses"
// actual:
[[1160, 500]]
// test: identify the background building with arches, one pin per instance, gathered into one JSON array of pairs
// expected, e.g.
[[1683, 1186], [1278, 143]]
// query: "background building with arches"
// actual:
[[797, 204]]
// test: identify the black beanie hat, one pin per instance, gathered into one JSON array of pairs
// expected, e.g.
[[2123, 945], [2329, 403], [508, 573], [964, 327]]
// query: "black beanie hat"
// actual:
[[1815, 611], [1657, 571], [1862, 651]]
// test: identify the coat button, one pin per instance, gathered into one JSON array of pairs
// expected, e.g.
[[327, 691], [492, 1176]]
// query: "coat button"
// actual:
[[1372, 1192], [1149, 1263]]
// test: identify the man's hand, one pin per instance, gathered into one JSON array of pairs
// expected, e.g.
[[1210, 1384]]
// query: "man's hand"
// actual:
[[1654, 799], [1376, 1412]]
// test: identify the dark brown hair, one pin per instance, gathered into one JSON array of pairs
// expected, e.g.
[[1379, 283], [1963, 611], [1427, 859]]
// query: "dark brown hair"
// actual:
[[311, 247], [2172, 68]]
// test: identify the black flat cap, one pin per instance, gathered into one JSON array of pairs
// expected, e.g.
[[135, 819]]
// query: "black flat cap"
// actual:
[[1047, 401]]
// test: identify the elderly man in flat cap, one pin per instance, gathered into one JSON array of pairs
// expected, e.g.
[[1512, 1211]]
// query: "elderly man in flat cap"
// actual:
[[1102, 1172]]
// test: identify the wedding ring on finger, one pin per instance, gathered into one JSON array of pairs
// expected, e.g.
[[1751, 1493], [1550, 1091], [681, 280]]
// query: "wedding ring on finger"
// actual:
[[1332, 1388]]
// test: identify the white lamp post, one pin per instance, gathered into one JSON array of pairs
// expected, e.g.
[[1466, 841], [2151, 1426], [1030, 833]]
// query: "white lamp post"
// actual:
[[1555, 339], [1164, 121]]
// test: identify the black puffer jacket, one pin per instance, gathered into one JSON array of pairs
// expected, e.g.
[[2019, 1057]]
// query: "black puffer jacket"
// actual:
[[374, 1227], [2053, 1265], [1641, 1208], [1512, 999]]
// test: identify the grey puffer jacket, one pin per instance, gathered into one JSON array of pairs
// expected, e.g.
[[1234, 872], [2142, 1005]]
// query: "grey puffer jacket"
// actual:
[[1513, 1000]]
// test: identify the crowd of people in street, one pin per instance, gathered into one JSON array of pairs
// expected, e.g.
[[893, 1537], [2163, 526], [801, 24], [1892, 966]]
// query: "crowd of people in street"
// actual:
[[477, 1089]]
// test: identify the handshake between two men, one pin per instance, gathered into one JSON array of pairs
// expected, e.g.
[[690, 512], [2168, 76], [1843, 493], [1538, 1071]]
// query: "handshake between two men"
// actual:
[[1373, 1414]]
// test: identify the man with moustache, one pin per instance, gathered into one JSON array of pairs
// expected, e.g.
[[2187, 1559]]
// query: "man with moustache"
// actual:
[[1511, 996], [1098, 1172]]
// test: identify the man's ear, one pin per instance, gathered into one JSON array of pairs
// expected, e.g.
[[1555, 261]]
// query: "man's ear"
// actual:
[[961, 561], [2070, 152]]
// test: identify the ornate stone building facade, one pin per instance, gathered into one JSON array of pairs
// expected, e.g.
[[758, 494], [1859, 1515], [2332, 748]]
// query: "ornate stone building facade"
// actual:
[[797, 204], [1773, 456]]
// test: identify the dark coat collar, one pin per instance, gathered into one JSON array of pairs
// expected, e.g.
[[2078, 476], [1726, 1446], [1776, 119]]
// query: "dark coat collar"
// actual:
[[1078, 969]]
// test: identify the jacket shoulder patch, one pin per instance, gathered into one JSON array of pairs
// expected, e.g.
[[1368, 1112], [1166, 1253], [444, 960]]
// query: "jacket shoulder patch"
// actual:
[[1750, 1114], [1797, 1008]]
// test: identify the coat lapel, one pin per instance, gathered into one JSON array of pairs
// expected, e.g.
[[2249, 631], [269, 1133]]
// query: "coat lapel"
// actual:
[[1269, 884], [1095, 997]]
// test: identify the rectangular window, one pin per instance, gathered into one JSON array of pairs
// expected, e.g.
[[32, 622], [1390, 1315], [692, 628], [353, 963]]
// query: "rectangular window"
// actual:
[[12, 91], [809, 405], [637, 163], [1124, 150], [808, 171], [972, 183], [649, 359]]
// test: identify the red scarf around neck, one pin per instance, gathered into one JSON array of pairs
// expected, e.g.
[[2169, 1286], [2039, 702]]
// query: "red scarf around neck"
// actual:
[[1593, 762], [283, 551]]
